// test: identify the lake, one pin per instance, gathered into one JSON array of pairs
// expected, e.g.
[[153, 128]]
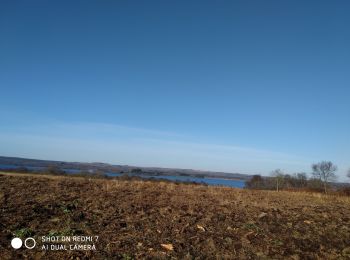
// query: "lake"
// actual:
[[209, 181]]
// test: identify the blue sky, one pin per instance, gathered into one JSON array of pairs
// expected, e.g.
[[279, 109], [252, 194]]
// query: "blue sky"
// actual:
[[237, 86]]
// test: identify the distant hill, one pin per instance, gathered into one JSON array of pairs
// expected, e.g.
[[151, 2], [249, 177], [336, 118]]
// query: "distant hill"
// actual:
[[105, 167]]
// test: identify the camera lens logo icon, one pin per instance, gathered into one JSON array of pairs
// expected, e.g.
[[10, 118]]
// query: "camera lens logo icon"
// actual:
[[17, 243], [30, 243]]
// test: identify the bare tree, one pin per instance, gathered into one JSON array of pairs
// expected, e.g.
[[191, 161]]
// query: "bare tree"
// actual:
[[256, 182], [300, 179], [278, 177], [325, 172]]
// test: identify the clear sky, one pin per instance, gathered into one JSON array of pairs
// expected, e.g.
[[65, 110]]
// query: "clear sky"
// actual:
[[237, 86]]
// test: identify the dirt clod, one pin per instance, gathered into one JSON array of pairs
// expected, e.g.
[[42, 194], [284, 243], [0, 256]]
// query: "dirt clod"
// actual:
[[262, 215], [168, 246]]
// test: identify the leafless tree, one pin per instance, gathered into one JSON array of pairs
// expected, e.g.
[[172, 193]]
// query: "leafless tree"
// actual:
[[256, 182], [278, 177], [301, 178], [325, 172]]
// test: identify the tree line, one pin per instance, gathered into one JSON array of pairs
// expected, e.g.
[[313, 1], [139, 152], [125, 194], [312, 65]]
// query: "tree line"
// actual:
[[322, 175]]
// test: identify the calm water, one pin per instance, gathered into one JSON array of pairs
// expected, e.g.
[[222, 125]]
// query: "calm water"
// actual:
[[209, 181]]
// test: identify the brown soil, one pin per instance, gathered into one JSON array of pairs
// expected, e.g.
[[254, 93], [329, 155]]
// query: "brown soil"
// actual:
[[145, 219]]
